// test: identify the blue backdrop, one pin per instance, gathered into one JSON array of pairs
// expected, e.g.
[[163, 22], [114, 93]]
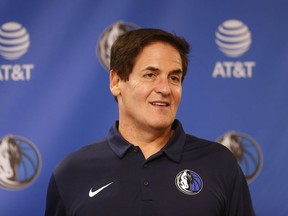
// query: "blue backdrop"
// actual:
[[55, 97]]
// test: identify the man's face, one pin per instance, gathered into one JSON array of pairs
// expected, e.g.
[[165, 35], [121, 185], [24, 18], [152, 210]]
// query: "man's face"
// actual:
[[151, 96]]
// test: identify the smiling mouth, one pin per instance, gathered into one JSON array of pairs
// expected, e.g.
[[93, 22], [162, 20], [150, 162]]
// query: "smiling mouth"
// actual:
[[160, 104]]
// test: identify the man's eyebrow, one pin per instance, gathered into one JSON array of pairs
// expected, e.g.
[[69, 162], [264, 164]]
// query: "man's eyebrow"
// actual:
[[151, 68], [177, 71]]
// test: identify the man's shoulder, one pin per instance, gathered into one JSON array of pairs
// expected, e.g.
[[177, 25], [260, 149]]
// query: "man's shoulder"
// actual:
[[207, 147], [210, 155], [196, 142], [87, 154], [96, 148]]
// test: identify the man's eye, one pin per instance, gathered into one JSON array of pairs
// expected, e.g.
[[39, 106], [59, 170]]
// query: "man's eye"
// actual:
[[175, 79], [149, 75]]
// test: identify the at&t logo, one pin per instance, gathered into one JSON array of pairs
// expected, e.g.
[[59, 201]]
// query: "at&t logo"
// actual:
[[233, 39], [14, 43]]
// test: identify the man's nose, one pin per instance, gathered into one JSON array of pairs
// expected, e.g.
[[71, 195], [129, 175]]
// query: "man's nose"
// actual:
[[162, 86]]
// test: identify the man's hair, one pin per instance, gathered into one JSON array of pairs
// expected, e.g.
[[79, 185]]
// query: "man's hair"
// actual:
[[128, 46]]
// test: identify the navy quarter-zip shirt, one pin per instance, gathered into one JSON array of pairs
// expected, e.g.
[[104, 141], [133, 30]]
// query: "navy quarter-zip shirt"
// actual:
[[189, 176]]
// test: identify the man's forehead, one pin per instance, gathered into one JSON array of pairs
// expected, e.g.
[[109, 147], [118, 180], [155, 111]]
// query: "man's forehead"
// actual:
[[157, 52]]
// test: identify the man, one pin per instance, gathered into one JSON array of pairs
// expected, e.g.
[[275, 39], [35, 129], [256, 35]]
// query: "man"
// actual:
[[147, 164]]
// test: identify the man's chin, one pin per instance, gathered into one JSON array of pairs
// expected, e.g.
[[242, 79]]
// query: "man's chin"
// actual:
[[161, 124]]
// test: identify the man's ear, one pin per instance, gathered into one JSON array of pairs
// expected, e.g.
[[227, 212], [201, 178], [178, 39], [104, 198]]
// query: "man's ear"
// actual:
[[114, 83]]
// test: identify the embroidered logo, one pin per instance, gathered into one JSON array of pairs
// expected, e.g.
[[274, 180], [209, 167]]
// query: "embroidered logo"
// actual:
[[189, 182], [93, 193]]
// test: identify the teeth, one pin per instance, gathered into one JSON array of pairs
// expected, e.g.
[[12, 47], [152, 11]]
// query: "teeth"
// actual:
[[160, 104]]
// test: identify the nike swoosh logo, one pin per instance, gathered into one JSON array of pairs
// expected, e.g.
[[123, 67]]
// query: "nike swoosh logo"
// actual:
[[93, 193]]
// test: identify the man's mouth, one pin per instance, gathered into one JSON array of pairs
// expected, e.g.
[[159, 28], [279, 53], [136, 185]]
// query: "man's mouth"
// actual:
[[160, 103]]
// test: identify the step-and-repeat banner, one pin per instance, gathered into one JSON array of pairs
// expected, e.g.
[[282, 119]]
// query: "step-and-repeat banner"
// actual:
[[55, 97]]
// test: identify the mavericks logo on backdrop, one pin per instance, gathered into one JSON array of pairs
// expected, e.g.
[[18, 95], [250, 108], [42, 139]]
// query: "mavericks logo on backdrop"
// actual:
[[14, 43], [20, 162], [108, 37], [246, 151], [233, 39]]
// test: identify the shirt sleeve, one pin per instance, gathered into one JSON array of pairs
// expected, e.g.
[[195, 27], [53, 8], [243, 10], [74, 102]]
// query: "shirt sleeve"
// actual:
[[239, 202], [54, 204]]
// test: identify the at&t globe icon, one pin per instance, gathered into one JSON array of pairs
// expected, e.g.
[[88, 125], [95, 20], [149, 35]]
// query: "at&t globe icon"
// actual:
[[233, 38], [14, 40]]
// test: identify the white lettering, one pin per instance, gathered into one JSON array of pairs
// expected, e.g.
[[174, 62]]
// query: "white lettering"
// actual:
[[228, 66], [236, 70], [28, 68], [249, 66], [16, 72], [6, 69], [218, 70], [239, 70]]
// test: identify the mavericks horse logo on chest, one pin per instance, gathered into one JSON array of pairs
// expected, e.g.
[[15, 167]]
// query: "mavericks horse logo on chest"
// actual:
[[188, 182]]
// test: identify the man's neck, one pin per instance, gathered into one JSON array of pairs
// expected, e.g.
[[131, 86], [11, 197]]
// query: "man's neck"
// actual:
[[150, 140]]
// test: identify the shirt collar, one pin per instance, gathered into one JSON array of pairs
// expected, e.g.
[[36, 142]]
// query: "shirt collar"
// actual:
[[118, 144], [173, 148]]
